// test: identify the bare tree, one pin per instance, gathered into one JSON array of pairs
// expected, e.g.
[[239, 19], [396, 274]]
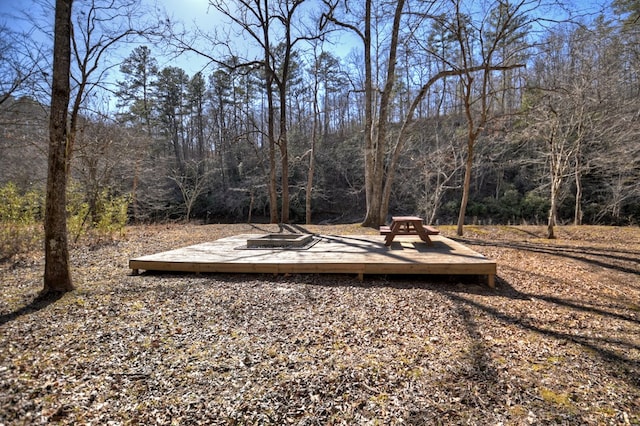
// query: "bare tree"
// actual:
[[441, 165], [315, 134], [499, 38], [375, 132], [57, 277], [564, 113], [97, 29], [192, 182], [379, 168], [274, 29], [102, 152], [18, 62], [140, 70]]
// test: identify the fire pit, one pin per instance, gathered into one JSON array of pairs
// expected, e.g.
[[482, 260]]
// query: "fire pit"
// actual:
[[280, 241]]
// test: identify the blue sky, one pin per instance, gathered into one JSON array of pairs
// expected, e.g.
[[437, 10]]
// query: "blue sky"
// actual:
[[189, 12], [205, 17]]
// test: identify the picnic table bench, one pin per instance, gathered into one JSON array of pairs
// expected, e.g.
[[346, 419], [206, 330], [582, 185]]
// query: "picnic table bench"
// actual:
[[407, 225]]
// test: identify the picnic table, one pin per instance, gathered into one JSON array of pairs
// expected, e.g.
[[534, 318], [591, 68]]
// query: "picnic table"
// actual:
[[407, 225]]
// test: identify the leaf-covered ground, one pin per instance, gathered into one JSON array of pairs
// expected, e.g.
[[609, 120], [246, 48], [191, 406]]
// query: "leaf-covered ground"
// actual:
[[557, 341]]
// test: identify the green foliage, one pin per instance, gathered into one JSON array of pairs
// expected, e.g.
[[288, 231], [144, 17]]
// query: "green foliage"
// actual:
[[77, 213], [535, 207], [475, 209], [507, 208], [19, 208], [113, 217], [20, 215], [102, 219], [450, 209], [557, 398], [510, 207]]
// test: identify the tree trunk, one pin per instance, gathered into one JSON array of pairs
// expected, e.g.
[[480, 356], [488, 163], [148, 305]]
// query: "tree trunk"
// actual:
[[466, 188], [577, 218], [376, 207], [271, 114], [369, 162], [309, 188], [284, 153], [284, 161], [273, 184], [437, 195], [134, 190], [553, 209], [315, 135], [552, 218], [472, 134], [57, 277]]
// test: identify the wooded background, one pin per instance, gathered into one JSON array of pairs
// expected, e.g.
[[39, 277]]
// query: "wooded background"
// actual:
[[531, 108]]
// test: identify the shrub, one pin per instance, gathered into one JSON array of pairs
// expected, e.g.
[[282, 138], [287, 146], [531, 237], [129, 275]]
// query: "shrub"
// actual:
[[20, 217], [77, 213], [104, 220], [535, 207], [19, 208], [112, 217]]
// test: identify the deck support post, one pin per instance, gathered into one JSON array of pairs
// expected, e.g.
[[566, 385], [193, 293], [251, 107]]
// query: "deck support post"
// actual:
[[491, 280]]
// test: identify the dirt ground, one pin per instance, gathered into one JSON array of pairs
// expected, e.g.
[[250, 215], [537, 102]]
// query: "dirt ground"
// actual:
[[557, 341]]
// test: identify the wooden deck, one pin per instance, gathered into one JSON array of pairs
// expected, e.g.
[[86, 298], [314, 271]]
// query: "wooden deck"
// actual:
[[349, 254]]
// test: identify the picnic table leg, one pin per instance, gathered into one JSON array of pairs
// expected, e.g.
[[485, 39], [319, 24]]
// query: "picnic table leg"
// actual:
[[423, 235], [389, 238], [395, 227]]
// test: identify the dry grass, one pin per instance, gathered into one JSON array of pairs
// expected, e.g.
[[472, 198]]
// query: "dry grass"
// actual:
[[557, 342]]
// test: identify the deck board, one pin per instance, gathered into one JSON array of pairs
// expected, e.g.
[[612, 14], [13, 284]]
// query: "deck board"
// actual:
[[359, 254]]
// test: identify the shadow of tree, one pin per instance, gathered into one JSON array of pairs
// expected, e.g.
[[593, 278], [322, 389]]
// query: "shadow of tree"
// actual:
[[626, 261], [616, 360], [41, 301]]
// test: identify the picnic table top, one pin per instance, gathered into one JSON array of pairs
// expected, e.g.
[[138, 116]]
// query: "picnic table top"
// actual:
[[406, 219]]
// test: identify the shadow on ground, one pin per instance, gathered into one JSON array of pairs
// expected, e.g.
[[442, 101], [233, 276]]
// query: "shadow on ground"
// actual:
[[39, 302]]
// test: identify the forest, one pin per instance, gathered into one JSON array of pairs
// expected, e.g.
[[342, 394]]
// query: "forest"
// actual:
[[521, 112]]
